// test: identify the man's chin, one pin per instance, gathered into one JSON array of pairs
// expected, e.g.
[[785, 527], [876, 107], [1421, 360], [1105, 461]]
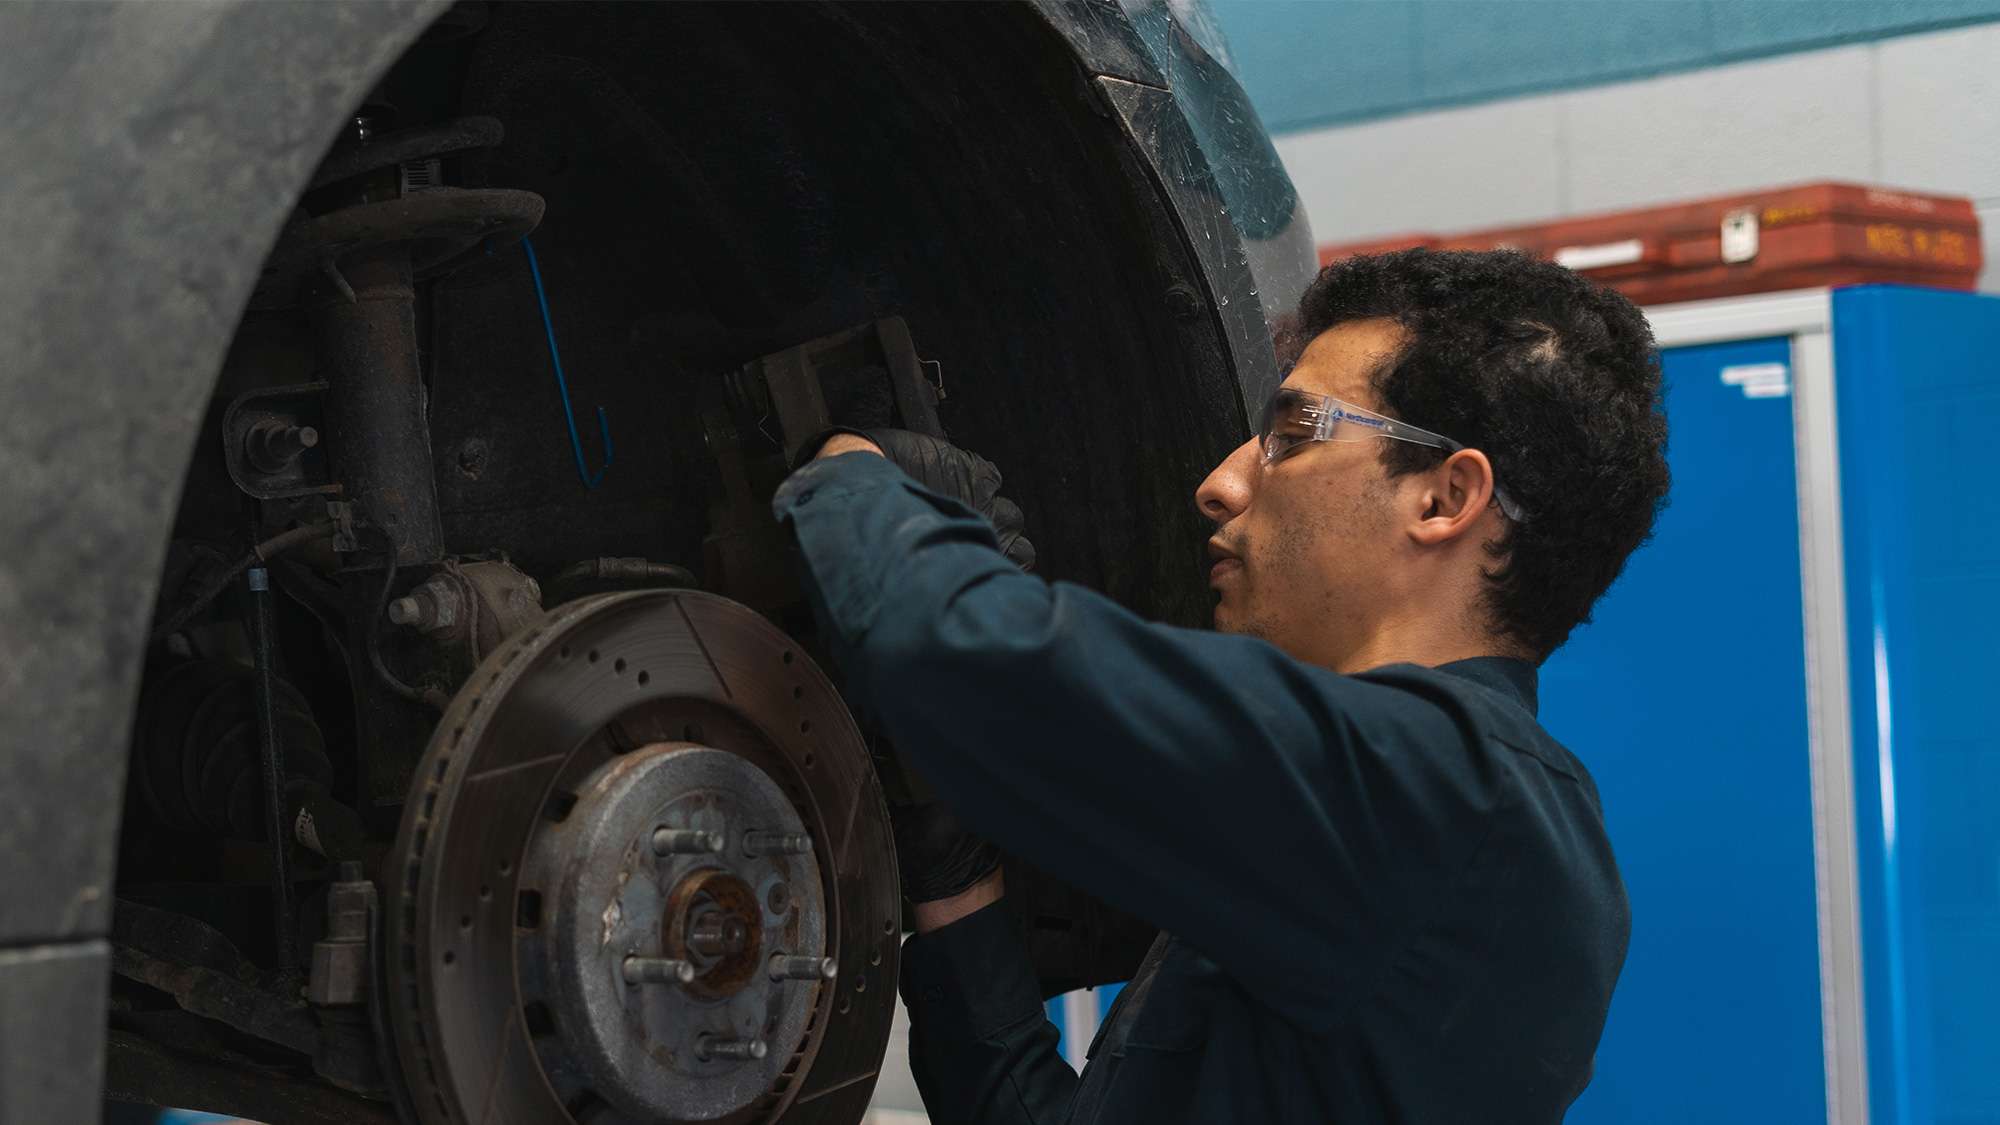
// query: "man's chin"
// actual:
[[1226, 619]]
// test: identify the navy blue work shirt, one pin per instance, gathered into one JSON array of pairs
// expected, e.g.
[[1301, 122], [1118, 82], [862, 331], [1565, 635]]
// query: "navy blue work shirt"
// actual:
[[1385, 897]]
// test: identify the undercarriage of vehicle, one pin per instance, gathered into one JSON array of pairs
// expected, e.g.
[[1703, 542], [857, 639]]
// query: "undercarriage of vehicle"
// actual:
[[486, 767]]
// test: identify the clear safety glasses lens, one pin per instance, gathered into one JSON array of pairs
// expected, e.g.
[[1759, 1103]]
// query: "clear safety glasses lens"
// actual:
[[1291, 421], [1295, 419]]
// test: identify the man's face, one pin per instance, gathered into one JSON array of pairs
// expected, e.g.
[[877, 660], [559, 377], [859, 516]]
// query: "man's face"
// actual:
[[1305, 548]]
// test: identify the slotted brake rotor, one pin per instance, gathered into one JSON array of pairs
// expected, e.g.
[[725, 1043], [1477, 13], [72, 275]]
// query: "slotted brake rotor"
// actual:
[[644, 875]]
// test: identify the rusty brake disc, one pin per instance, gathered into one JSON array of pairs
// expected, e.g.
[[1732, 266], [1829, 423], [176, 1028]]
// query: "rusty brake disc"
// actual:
[[644, 874]]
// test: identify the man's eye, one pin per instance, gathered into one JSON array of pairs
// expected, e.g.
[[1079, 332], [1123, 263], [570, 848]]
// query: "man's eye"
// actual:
[[1296, 424]]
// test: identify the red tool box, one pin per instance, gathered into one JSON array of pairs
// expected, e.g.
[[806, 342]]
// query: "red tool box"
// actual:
[[1755, 242]]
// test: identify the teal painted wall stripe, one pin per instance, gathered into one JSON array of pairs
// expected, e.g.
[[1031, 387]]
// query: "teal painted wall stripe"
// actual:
[[1311, 63]]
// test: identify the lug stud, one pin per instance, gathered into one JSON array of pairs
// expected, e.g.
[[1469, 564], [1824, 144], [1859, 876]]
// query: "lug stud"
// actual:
[[776, 843], [785, 967], [657, 970], [741, 1050], [686, 841]]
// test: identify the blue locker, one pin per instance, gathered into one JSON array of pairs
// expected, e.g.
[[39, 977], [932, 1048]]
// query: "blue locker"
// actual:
[[1697, 738], [1783, 701], [1919, 397]]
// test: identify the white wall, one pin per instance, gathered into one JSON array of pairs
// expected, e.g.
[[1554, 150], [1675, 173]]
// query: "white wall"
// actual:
[[1920, 112]]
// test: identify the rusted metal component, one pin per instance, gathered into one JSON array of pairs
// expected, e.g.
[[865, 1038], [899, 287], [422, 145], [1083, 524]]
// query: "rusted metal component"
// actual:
[[471, 607], [197, 966], [431, 608], [380, 151], [516, 939], [438, 226], [139, 1069], [601, 576], [340, 959], [459, 614], [503, 600], [378, 438], [639, 1049], [341, 984], [868, 375], [755, 424], [713, 919]]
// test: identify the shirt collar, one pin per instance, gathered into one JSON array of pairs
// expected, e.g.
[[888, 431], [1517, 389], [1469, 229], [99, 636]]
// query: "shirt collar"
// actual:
[[1515, 679]]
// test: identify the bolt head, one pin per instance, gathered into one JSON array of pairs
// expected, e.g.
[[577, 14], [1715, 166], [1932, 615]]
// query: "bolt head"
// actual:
[[472, 457], [405, 611]]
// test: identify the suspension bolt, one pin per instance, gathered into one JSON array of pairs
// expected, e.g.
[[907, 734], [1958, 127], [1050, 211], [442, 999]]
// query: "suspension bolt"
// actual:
[[274, 443], [785, 967], [776, 843], [431, 608], [657, 970], [686, 841]]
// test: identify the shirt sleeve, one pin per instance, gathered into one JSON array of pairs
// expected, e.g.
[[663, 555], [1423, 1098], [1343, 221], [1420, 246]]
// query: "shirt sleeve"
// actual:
[[981, 1050], [1297, 826]]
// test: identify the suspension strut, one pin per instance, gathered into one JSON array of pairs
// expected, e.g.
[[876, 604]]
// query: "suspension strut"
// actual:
[[377, 221]]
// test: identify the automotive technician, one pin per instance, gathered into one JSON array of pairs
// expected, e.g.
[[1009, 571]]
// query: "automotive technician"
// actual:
[[1385, 892]]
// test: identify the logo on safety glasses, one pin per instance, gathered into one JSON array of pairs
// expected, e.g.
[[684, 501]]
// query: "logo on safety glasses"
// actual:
[[1340, 415]]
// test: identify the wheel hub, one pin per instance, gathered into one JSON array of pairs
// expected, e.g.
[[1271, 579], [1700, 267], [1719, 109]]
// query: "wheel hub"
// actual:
[[682, 891]]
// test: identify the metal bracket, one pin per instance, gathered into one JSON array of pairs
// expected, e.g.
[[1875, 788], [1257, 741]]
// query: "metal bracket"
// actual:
[[270, 442]]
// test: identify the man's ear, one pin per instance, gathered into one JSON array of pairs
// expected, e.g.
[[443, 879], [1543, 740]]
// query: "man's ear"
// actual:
[[1456, 496]]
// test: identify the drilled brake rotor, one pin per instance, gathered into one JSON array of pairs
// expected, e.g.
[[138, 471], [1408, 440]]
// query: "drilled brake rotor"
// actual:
[[644, 875]]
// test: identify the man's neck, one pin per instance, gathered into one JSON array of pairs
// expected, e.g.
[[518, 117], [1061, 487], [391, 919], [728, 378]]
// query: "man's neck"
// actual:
[[1430, 648]]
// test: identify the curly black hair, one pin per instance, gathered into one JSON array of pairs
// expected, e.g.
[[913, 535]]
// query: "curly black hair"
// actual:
[[1554, 378]]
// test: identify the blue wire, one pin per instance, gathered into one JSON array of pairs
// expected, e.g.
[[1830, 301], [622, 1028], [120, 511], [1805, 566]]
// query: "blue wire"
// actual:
[[562, 384]]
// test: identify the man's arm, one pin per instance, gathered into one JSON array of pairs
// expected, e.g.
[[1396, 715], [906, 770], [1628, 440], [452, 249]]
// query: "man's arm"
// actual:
[[1293, 824], [981, 1050]]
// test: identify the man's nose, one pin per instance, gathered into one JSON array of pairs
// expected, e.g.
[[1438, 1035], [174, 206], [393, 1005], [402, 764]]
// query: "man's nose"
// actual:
[[1226, 492]]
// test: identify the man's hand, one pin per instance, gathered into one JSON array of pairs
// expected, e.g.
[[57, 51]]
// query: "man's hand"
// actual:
[[937, 915], [940, 861], [945, 469], [844, 442]]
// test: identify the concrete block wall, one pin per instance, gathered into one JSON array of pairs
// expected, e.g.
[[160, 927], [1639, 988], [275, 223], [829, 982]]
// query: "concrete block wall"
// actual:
[[1920, 112], [1310, 63]]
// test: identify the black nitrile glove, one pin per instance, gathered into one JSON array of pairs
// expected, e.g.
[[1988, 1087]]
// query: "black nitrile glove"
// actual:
[[937, 857], [947, 470]]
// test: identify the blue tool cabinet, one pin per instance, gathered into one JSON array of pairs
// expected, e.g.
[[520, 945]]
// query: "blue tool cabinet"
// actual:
[[1788, 703]]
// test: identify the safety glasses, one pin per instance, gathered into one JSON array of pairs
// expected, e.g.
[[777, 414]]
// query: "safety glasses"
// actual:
[[1294, 419]]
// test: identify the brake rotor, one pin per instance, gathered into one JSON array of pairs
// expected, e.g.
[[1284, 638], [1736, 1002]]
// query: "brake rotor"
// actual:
[[644, 875]]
